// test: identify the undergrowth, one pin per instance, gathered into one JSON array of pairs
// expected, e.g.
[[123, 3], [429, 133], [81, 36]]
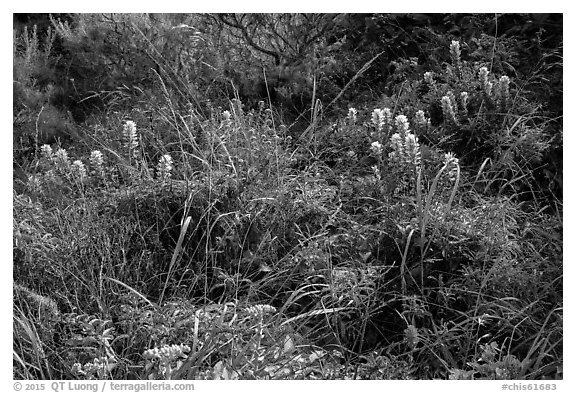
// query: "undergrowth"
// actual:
[[410, 239]]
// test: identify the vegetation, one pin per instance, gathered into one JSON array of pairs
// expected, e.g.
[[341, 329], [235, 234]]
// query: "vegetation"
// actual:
[[287, 196]]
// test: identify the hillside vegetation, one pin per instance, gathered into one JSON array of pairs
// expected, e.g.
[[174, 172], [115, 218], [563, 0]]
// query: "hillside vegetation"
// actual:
[[287, 196]]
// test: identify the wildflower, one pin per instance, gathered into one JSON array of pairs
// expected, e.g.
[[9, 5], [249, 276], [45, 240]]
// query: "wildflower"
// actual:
[[483, 76], [429, 77], [34, 184], [376, 172], [61, 156], [61, 160], [488, 88], [448, 110], [376, 148], [405, 151], [227, 118], [450, 159], [351, 154], [455, 54], [504, 90], [412, 150], [167, 353], [455, 50], [411, 336], [381, 118], [482, 319], [97, 369], [352, 115], [164, 170], [79, 170], [452, 165], [397, 147], [452, 97], [261, 309], [464, 100], [77, 369], [46, 151], [130, 135], [402, 125], [97, 162], [96, 158], [50, 177], [420, 119]]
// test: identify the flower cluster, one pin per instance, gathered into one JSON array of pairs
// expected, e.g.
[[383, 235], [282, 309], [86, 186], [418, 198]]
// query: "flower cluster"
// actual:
[[421, 120], [486, 84], [97, 369], [261, 309], [464, 101], [61, 160], [227, 118], [411, 336], [164, 169], [448, 111], [97, 163], [452, 165], [167, 354], [352, 115], [376, 148], [402, 125], [34, 184], [504, 91], [47, 152], [405, 146], [429, 77], [78, 170], [381, 118], [455, 54], [130, 136]]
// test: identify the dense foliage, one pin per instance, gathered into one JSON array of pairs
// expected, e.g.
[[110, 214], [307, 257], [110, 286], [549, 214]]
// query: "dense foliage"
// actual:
[[288, 196]]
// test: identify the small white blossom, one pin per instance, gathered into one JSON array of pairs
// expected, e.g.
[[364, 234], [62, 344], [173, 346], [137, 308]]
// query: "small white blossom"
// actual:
[[261, 309], [79, 170], [46, 151], [448, 110], [130, 135], [227, 118], [164, 170], [488, 88], [167, 353], [411, 336], [412, 149], [352, 115], [61, 160], [376, 148], [402, 125], [455, 53], [405, 151], [420, 119], [429, 77], [96, 158], [451, 164], [483, 76], [464, 100], [504, 89], [34, 184], [381, 117]]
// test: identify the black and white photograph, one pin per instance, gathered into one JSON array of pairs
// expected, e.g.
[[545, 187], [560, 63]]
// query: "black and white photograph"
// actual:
[[286, 196]]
